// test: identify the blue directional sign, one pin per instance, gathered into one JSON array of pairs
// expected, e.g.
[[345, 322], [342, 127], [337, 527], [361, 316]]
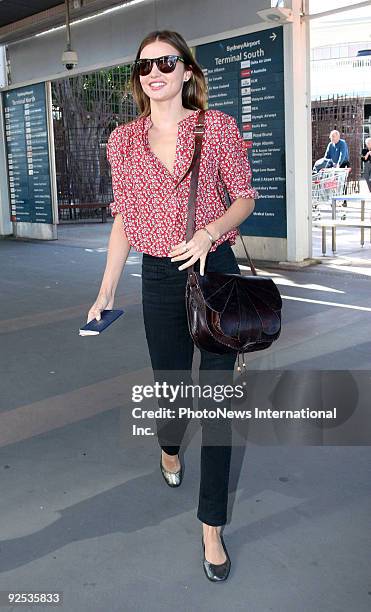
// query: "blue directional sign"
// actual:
[[245, 78], [28, 154]]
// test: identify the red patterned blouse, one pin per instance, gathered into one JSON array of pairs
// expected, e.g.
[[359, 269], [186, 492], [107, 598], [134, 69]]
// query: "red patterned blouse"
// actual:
[[153, 205]]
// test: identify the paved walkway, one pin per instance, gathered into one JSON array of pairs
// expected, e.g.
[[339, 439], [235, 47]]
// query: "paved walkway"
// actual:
[[85, 514]]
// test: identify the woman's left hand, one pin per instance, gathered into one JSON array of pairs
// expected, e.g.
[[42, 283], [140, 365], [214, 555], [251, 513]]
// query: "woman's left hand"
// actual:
[[197, 248]]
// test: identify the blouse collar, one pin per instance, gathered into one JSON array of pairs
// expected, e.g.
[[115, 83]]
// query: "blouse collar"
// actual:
[[185, 154]]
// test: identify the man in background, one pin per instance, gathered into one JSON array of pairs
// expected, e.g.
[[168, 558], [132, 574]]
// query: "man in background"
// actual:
[[337, 151]]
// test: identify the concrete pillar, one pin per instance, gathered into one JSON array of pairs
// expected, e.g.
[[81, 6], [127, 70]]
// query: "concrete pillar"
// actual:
[[298, 135]]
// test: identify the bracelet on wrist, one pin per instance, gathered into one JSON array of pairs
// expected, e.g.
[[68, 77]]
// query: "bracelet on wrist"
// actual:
[[212, 240]]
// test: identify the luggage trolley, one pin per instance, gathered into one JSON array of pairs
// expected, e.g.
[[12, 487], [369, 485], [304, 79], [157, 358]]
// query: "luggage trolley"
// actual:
[[326, 183]]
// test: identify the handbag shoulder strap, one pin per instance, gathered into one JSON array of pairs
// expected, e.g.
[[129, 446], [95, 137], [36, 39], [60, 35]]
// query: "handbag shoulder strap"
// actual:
[[195, 167]]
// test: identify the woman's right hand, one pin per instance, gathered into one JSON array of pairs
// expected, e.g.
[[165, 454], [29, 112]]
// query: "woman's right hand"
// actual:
[[104, 301]]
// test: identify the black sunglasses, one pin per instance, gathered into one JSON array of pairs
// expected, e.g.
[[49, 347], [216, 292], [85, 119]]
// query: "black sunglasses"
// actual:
[[165, 64]]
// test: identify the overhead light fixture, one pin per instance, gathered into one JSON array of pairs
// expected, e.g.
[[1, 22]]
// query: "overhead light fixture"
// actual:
[[276, 15]]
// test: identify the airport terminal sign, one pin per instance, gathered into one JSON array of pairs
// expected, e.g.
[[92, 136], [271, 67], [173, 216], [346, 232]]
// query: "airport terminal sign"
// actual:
[[28, 154], [245, 77]]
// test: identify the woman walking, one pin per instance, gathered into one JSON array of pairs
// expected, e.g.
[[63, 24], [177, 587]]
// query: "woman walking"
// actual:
[[149, 160]]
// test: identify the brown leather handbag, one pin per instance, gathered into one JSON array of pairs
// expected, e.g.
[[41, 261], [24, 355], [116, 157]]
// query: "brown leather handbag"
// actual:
[[228, 312]]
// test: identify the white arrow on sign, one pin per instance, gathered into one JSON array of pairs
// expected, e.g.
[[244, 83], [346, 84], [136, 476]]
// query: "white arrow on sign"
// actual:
[[273, 36]]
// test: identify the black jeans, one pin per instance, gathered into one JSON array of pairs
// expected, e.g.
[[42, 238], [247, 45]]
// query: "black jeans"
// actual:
[[171, 348]]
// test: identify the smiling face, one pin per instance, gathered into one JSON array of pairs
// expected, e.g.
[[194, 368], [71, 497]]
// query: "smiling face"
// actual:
[[160, 86]]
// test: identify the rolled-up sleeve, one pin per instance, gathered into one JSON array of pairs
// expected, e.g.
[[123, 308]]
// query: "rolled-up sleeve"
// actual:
[[114, 155], [234, 165]]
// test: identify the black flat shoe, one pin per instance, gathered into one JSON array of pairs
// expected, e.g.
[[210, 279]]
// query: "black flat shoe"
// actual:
[[173, 479], [217, 572]]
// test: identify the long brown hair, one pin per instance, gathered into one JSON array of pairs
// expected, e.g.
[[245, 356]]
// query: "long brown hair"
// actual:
[[194, 94]]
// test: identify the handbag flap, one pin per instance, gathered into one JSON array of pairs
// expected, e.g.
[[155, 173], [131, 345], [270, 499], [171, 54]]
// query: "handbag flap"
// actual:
[[245, 303]]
